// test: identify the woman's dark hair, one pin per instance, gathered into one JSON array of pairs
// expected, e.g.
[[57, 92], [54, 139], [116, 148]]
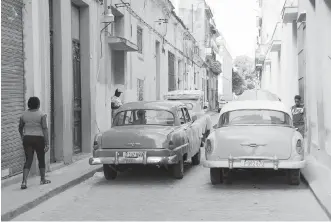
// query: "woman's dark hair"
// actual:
[[297, 97], [34, 103]]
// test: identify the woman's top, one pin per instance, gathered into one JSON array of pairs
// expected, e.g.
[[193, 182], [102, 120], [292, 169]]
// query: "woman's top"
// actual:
[[34, 123], [117, 101]]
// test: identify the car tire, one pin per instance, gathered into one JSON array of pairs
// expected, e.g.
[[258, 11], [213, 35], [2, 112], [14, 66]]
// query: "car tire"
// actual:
[[215, 176], [109, 172], [196, 159], [227, 176], [293, 176], [178, 169]]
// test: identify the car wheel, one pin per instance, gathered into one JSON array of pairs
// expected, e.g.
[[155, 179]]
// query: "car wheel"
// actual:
[[215, 176], [227, 176], [196, 158], [293, 176], [178, 169], [109, 172]]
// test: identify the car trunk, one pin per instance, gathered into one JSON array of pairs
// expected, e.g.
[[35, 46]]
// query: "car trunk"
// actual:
[[136, 137], [257, 141]]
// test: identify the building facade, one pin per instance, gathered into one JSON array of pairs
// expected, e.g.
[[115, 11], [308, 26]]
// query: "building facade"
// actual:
[[69, 55], [294, 58], [198, 17], [225, 78]]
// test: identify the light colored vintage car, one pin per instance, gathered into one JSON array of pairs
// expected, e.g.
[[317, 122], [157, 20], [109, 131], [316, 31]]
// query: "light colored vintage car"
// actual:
[[160, 133], [254, 135], [193, 99]]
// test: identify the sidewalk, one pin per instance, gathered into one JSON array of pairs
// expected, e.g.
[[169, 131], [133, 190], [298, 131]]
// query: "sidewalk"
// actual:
[[15, 201], [318, 177]]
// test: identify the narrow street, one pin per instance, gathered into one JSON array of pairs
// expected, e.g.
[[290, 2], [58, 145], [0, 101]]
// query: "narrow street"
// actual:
[[151, 194]]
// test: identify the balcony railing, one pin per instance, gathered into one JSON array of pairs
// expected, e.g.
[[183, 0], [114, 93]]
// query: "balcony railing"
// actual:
[[290, 11]]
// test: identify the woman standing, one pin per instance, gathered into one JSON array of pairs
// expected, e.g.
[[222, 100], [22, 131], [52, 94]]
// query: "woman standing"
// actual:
[[34, 133]]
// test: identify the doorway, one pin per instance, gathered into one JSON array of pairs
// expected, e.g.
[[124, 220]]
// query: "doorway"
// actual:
[[157, 65], [76, 71]]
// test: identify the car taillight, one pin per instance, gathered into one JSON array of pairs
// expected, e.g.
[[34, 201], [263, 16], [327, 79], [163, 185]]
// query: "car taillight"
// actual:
[[97, 142], [209, 148], [171, 145], [299, 147]]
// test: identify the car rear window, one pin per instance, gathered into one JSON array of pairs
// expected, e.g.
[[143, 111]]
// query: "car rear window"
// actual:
[[144, 117], [259, 117]]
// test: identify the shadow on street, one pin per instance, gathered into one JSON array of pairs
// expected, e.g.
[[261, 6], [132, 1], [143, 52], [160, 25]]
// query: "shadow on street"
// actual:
[[144, 175]]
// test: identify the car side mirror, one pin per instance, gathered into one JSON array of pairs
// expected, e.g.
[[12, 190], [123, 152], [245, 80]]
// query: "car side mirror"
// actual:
[[297, 129], [215, 126], [194, 118]]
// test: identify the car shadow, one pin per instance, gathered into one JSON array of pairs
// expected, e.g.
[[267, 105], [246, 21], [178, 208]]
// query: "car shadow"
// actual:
[[144, 175], [260, 180]]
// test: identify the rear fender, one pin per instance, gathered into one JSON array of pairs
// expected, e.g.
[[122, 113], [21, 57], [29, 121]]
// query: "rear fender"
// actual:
[[294, 154], [213, 144]]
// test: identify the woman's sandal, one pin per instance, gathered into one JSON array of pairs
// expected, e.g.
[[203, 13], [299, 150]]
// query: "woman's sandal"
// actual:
[[23, 186], [42, 182]]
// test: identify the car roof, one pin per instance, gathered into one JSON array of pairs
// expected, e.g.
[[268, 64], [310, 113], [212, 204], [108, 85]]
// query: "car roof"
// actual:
[[164, 105], [184, 94], [258, 94], [256, 104]]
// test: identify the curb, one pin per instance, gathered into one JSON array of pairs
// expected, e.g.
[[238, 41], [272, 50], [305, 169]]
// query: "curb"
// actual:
[[28, 206], [316, 195]]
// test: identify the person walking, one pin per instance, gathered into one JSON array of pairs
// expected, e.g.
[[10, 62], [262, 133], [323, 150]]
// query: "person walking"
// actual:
[[116, 102], [298, 115], [34, 133]]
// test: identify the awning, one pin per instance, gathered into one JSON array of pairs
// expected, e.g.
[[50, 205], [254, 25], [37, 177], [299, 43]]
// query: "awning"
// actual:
[[121, 44]]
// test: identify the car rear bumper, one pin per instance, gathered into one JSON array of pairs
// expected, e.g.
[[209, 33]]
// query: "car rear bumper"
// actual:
[[268, 164], [148, 157]]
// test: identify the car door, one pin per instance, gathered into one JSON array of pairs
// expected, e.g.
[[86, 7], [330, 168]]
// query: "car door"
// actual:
[[193, 132]]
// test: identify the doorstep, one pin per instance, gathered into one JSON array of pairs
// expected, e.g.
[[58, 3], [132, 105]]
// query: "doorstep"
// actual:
[[16, 201], [318, 177]]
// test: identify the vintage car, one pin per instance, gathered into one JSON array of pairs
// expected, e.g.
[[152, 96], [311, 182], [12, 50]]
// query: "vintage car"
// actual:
[[160, 133], [254, 135], [193, 99], [223, 99], [258, 94]]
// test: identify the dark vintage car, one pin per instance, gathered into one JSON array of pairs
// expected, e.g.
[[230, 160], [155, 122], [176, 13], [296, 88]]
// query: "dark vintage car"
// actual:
[[160, 133]]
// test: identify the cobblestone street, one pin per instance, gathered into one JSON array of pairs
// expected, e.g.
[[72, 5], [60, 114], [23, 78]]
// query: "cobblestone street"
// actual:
[[151, 194]]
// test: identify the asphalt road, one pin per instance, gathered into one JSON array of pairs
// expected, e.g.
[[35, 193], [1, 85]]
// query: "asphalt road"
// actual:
[[151, 194]]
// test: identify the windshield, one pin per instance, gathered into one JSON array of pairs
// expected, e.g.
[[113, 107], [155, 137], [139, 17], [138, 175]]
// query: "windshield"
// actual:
[[259, 117], [144, 117], [191, 104]]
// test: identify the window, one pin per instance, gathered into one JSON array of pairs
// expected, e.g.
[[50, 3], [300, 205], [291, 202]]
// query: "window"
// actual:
[[181, 116], [260, 117], [140, 90], [140, 39], [187, 115], [144, 117]]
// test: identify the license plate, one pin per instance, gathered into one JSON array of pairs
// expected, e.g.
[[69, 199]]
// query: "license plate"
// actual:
[[252, 163], [133, 154]]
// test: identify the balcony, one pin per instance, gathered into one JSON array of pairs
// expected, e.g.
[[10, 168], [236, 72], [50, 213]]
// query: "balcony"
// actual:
[[276, 43], [290, 11], [215, 66], [121, 44]]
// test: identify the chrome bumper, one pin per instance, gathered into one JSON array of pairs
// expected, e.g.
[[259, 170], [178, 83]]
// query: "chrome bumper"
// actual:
[[269, 163], [153, 160]]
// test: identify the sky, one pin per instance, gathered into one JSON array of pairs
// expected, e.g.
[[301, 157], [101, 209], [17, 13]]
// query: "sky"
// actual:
[[236, 20]]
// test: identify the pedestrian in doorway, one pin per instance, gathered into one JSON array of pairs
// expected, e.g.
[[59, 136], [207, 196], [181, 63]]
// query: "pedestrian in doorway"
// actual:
[[298, 115], [116, 102], [34, 133]]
